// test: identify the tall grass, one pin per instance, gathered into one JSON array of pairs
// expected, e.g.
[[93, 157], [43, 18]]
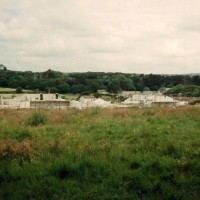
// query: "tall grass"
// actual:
[[100, 154]]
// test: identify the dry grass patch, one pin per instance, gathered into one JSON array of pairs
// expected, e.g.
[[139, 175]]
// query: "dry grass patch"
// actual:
[[12, 150]]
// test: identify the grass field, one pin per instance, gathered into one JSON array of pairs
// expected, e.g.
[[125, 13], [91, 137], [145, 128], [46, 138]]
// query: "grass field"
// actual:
[[2, 89], [9, 93], [100, 154], [7, 89]]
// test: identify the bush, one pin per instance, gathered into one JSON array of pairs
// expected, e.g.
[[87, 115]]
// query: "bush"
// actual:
[[19, 90], [37, 119]]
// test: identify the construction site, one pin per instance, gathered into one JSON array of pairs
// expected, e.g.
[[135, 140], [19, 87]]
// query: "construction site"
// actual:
[[54, 101]]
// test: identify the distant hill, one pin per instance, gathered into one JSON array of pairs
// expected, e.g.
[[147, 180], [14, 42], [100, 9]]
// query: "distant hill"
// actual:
[[91, 82]]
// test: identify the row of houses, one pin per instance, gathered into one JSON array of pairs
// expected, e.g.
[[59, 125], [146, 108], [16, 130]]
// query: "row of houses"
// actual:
[[53, 101]]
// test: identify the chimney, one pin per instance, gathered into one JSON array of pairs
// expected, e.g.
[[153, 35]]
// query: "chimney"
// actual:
[[41, 96]]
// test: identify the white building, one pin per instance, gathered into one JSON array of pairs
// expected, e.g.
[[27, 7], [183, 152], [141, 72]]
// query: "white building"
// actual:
[[90, 102], [38, 101], [37, 97], [148, 99]]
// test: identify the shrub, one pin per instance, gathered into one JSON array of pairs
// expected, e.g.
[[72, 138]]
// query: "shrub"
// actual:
[[37, 119], [19, 90]]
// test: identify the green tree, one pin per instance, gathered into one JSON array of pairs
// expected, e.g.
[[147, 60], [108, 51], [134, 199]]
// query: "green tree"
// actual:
[[63, 88]]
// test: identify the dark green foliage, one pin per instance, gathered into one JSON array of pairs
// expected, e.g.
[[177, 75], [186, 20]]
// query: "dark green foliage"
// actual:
[[90, 82], [185, 90]]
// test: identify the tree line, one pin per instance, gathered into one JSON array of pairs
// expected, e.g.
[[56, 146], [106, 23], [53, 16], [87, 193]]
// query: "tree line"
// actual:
[[90, 82]]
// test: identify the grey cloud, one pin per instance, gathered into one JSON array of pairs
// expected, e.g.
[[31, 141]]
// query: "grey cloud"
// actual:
[[110, 35], [190, 24]]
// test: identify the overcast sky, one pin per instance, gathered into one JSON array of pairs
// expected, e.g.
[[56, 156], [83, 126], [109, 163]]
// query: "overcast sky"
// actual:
[[133, 36]]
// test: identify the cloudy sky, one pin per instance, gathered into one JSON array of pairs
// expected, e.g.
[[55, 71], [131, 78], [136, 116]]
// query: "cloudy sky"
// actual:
[[133, 36]]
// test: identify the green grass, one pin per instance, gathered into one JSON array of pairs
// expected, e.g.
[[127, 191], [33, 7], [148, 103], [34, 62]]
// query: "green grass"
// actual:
[[100, 154], [11, 91], [7, 89]]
